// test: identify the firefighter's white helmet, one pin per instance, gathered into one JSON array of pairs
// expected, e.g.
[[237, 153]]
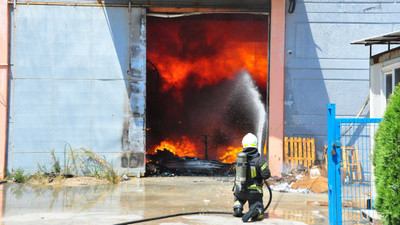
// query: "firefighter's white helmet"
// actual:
[[249, 140]]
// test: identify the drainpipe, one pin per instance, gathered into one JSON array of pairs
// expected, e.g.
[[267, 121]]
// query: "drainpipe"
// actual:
[[4, 76], [277, 86]]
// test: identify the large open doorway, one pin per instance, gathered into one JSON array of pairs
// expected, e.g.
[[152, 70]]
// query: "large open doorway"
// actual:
[[206, 84]]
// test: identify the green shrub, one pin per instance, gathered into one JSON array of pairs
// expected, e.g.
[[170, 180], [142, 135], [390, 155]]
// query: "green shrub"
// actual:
[[386, 159], [19, 176]]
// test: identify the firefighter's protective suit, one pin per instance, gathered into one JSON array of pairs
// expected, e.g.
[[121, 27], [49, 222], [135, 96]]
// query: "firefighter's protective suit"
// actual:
[[257, 171]]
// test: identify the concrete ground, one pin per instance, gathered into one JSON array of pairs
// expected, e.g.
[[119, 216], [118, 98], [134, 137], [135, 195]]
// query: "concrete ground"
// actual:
[[148, 197]]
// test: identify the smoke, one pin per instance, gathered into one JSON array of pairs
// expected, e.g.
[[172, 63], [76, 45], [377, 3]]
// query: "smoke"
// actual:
[[177, 41]]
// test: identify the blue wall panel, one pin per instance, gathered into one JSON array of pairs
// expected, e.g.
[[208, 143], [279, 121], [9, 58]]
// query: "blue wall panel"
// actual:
[[71, 83], [32, 119], [72, 113], [111, 113], [321, 65], [34, 47]]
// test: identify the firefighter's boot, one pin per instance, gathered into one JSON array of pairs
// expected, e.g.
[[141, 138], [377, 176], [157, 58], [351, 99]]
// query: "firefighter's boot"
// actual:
[[237, 212], [237, 209], [253, 213]]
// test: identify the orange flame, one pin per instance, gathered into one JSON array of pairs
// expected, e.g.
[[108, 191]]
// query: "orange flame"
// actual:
[[231, 154], [185, 147], [210, 71], [208, 49], [201, 51]]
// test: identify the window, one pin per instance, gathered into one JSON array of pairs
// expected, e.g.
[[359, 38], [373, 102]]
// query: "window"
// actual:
[[388, 82], [397, 76], [391, 81]]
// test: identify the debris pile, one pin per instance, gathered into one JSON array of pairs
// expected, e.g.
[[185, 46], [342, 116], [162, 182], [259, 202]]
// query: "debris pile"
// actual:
[[298, 180], [316, 185], [301, 180], [166, 163]]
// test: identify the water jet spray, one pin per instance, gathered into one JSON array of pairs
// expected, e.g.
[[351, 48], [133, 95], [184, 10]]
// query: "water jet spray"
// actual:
[[255, 104]]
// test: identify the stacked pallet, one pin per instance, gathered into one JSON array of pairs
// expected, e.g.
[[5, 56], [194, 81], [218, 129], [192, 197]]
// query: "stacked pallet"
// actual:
[[299, 151]]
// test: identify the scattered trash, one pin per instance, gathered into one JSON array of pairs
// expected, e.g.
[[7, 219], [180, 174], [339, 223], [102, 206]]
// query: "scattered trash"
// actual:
[[125, 177], [316, 185], [301, 180], [274, 180], [317, 203], [317, 171], [280, 187], [285, 187], [206, 201]]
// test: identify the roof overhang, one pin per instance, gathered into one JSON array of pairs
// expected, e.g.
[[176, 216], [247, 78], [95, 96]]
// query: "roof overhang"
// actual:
[[389, 38]]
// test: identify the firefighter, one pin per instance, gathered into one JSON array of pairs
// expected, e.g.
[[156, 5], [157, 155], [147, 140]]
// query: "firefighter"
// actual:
[[251, 171]]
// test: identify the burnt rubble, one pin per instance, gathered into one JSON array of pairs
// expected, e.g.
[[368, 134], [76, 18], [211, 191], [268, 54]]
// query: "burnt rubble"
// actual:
[[165, 163], [288, 177], [299, 180]]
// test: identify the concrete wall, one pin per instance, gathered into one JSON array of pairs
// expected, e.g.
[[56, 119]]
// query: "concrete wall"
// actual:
[[78, 79], [321, 65]]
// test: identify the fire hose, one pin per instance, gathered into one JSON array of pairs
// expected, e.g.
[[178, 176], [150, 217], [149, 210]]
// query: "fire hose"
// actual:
[[195, 213]]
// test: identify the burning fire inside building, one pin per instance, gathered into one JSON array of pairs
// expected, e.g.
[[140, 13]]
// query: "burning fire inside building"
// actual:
[[206, 84]]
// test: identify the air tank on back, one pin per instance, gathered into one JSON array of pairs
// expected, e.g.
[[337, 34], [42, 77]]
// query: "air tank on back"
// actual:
[[241, 167]]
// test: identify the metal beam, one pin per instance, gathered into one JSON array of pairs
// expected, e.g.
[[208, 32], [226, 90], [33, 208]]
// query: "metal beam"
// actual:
[[251, 5], [4, 77]]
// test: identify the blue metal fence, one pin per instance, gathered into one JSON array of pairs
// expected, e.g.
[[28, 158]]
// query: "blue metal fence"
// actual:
[[350, 171]]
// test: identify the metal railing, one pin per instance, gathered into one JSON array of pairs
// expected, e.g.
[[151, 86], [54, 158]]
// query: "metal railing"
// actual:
[[350, 170]]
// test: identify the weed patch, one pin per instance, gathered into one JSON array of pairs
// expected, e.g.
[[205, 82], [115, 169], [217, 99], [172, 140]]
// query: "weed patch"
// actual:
[[19, 176], [77, 161]]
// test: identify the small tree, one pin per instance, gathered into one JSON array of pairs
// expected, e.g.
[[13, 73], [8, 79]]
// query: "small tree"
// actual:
[[386, 159]]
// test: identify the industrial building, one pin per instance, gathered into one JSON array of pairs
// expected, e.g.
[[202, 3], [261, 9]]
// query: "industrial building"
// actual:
[[97, 74]]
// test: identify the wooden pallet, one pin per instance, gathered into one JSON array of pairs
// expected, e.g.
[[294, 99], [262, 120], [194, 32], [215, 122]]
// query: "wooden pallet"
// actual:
[[351, 165], [299, 151]]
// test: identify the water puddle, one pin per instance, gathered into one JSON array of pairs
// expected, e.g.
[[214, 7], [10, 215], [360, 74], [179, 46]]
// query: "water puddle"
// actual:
[[141, 198]]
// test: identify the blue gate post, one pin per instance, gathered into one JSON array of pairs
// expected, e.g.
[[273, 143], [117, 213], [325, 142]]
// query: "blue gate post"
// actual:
[[334, 175]]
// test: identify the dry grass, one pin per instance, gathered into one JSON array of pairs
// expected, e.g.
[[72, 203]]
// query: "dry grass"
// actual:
[[99, 167], [79, 161]]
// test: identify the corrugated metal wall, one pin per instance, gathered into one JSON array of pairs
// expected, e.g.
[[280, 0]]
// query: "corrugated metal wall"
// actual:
[[321, 65], [78, 78]]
